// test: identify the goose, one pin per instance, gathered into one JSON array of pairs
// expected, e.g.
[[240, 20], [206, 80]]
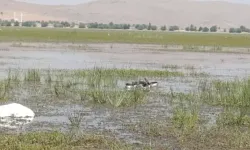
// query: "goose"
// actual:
[[15, 113], [142, 84], [153, 84], [129, 85]]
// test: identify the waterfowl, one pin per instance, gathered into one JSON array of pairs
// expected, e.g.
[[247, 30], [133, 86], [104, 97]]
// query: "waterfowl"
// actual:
[[129, 85], [15, 114], [153, 84], [141, 84]]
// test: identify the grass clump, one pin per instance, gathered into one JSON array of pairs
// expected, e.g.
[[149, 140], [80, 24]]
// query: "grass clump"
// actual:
[[228, 94], [57, 141], [185, 120], [4, 90], [33, 75], [102, 88], [232, 138], [233, 96], [171, 66], [128, 73], [116, 98]]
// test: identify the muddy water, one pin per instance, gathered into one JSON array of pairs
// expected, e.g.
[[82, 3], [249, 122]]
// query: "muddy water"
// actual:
[[51, 116], [215, 63]]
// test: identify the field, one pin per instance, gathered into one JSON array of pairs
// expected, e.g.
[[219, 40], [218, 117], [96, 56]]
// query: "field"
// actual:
[[74, 81], [115, 36]]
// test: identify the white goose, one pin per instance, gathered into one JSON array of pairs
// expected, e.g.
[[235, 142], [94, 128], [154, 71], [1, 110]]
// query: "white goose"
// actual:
[[16, 114]]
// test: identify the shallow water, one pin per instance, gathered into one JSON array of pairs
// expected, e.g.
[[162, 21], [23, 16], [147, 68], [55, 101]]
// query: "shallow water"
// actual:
[[56, 115], [214, 63]]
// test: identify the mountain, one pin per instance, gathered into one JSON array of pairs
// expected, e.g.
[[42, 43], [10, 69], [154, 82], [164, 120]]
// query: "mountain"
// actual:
[[158, 12]]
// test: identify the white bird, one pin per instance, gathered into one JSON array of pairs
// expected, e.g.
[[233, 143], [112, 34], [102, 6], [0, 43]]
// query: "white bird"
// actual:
[[15, 113]]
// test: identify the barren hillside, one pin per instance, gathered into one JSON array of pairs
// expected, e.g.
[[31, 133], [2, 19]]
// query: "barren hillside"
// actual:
[[159, 12]]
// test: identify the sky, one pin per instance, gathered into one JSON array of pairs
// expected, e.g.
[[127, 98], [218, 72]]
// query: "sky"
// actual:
[[57, 2], [73, 2]]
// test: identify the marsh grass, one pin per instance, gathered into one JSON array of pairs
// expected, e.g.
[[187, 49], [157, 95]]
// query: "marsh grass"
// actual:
[[198, 74], [193, 48], [103, 89], [75, 119], [185, 120], [12, 81], [33, 75], [100, 86], [186, 110], [218, 138], [4, 91], [233, 96], [56, 141], [127, 73], [48, 79], [97, 85], [171, 66], [188, 130]]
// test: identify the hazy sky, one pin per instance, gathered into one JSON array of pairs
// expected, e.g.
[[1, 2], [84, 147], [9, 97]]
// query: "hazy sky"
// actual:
[[56, 2]]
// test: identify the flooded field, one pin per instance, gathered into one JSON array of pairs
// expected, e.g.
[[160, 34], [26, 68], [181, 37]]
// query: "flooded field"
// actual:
[[84, 89]]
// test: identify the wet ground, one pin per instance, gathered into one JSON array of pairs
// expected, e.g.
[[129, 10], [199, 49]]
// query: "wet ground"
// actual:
[[52, 115]]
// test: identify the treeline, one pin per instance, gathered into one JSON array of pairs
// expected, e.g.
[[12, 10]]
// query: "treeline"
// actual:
[[202, 29], [239, 30], [111, 25]]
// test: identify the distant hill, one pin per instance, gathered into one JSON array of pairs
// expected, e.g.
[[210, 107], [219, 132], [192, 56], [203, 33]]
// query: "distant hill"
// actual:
[[158, 12]]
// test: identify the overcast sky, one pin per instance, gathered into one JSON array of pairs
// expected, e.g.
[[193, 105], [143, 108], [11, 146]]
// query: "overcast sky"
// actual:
[[72, 2], [57, 2]]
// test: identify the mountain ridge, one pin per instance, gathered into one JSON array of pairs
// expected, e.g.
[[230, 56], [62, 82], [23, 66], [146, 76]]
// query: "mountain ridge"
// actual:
[[158, 12]]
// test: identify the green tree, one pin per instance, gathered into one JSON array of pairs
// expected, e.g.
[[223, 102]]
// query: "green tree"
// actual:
[[213, 29], [8, 23], [238, 30], [173, 28], [205, 29], [243, 28], [141, 26], [58, 25], [192, 28], [149, 26], [64, 24], [163, 28], [187, 29], [44, 24], [200, 29], [16, 23], [72, 25], [232, 30], [92, 25], [154, 27], [28, 24], [81, 25], [111, 24], [126, 26], [247, 30]]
